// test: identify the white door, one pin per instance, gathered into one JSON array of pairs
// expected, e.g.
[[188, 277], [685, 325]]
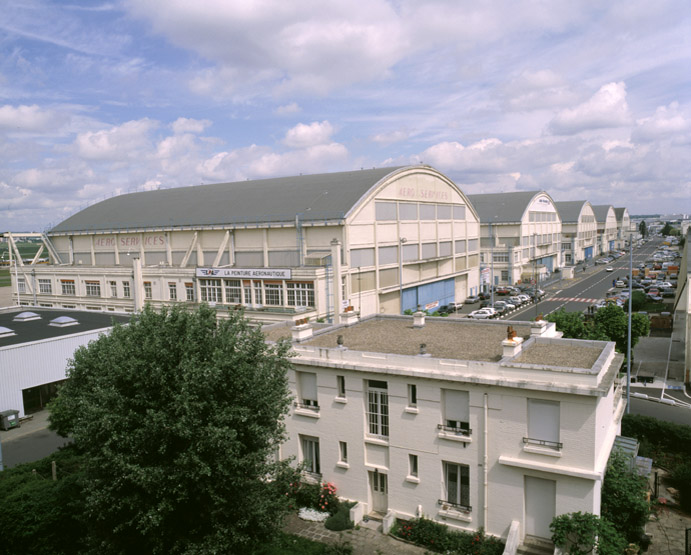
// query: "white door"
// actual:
[[540, 506], [379, 489]]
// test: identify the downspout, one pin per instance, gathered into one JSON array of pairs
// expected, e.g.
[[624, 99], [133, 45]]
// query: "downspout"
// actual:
[[485, 470], [338, 292]]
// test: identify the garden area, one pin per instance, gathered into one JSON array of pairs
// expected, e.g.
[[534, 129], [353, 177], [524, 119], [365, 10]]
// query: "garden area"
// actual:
[[441, 539]]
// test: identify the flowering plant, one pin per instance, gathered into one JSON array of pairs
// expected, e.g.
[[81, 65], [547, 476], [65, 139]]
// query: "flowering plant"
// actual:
[[327, 498]]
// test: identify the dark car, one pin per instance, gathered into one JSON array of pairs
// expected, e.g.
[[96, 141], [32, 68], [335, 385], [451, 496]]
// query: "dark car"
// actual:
[[472, 299], [667, 292]]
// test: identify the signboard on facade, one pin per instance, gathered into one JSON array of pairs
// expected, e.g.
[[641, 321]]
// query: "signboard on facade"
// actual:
[[247, 273], [484, 275], [430, 306]]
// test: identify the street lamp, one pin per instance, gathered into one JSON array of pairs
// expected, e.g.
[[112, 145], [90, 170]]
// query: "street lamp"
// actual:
[[628, 339], [401, 241]]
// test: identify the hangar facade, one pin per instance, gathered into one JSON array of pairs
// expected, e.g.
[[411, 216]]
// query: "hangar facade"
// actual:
[[284, 249]]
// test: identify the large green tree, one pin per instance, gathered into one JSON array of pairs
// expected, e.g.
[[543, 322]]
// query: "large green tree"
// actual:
[[643, 228], [179, 416]]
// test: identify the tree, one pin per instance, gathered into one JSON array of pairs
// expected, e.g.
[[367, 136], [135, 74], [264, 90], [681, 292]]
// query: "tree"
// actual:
[[667, 229], [583, 533], [178, 416], [643, 229], [571, 324], [612, 321]]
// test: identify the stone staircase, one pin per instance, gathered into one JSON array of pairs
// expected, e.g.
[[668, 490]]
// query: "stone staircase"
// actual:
[[535, 546]]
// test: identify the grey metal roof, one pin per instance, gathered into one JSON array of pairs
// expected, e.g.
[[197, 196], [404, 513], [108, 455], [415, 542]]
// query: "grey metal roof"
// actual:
[[570, 210], [502, 207], [601, 211], [619, 213], [40, 329], [314, 197]]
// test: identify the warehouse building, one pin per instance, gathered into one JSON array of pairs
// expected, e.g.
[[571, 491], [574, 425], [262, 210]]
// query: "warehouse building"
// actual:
[[623, 227], [375, 241], [467, 423], [520, 236], [578, 231], [606, 228]]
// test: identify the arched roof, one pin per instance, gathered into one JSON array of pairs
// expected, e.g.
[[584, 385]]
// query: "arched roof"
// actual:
[[318, 197], [504, 208], [570, 210]]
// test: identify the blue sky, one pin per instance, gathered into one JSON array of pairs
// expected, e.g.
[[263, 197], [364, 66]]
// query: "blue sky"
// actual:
[[583, 99]]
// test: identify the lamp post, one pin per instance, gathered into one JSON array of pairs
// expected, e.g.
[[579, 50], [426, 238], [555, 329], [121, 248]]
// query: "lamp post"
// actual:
[[537, 297], [491, 260], [401, 242], [628, 339]]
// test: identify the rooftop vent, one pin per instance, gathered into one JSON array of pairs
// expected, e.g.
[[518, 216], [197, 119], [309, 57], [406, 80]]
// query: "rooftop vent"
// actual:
[[6, 332], [26, 317], [63, 322]]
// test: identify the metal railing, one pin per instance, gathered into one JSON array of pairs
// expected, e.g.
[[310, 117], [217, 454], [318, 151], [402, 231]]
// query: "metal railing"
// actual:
[[457, 506], [307, 406], [455, 429], [543, 442]]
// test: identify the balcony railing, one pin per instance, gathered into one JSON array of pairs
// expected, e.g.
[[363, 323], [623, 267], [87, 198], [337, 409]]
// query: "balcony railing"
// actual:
[[455, 429], [543, 442], [458, 506], [307, 406]]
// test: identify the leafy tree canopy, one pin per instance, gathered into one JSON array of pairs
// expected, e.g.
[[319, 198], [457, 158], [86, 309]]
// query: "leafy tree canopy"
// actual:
[[643, 228], [178, 416]]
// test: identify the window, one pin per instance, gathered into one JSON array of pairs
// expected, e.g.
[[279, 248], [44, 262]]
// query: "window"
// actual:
[[505, 275], [388, 255], [407, 211], [428, 211], [210, 290], [113, 288], [189, 292], [456, 411], [126, 289], [68, 287], [412, 465], [460, 246], [543, 423], [307, 390], [458, 212], [457, 485], [300, 294], [429, 250], [258, 292], [21, 285], [45, 286], [310, 454], [385, 211], [378, 408], [361, 257], [273, 293], [148, 292], [247, 286], [172, 291], [343, 451], [472, 244], [233, 291], [340, 384], [443, 212], [412, 395], [93, 288]]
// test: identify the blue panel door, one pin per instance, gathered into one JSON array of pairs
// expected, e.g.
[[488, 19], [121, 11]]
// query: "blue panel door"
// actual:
[[588, 253]]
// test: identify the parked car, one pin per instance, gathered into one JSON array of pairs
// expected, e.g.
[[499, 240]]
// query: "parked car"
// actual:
[[667, 292], [472, 299], [655, 297], [619, 283], [481, 314], [506, 304], [516, 300], [609, 269]]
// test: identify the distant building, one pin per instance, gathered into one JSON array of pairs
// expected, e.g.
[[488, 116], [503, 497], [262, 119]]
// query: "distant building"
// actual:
[[35, 346], [284, 248], [624, 232], [606, 228], [521, 235], [455, 420], [578, 231]]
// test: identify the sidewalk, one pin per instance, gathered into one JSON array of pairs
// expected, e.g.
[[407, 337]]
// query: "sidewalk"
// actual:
[[365, 539], [667, 526], [36, 422]]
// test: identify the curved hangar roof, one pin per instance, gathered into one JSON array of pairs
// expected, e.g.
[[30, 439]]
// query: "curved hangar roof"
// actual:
[[328, 196], [504, 208]]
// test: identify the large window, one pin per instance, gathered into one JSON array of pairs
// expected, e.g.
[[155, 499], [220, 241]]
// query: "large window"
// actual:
[[457, 485], [21, 285], [543, 423], [93, 288], [189, 292], [310, 454], [233, 291], [210, 290], [148, 290], [126, 289], [378, 408], [273, 294], [113, 288], [68, 287], [300, 294], [45, 286], [172, 291], [456, 410], [307, 390]]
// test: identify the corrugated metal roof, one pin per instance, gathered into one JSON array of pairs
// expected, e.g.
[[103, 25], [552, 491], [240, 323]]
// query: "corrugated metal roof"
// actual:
[[619, 213], [314, 197], [502, 207], [601, 211], [570, 210]]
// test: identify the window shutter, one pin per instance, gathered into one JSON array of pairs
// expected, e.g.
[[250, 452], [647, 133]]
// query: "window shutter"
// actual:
[[456, 405], [308, 385], [543, 420]]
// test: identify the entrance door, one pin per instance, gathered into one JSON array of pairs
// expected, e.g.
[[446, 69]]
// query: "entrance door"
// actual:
[[540, 506], [379, 489]]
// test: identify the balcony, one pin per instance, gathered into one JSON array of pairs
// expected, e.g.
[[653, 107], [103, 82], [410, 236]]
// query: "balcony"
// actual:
[[543, 443], [446, 505]]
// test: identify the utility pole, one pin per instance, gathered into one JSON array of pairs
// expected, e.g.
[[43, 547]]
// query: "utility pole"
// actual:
[[491, 256], [401, 241], [628, 341]]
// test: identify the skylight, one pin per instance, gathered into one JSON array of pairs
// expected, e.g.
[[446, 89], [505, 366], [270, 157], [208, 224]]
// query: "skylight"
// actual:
[[63, 321], [26, 317]]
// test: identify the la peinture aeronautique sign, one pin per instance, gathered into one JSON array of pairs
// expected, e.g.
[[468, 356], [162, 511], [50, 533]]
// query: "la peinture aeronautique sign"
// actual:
[[247, 273]]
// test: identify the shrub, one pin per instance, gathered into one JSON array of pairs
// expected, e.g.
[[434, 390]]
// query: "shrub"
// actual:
[[681, 479], [340, 520], [437, 537], [583, 533], [623, 498]]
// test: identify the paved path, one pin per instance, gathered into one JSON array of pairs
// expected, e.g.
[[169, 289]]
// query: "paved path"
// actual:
[[365, 540], [667, 527]]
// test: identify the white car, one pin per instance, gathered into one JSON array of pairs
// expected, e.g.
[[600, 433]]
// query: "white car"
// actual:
[[609, 269], [481, 314]]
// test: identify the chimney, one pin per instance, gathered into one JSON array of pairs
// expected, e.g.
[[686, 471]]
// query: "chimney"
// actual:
[[511, 347], [418, 319], [302, 330]]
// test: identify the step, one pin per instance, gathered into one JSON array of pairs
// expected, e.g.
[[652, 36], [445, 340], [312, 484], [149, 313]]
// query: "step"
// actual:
[[536, 546]]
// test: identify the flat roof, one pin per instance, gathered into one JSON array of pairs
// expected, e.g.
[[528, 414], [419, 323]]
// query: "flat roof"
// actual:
[[39, 329], [448, 338]]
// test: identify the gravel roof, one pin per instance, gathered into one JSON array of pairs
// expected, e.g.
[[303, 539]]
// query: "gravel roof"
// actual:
[[570, 356]]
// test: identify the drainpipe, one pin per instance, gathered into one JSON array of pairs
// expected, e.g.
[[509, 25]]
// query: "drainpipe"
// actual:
[[138, 285], [485, 470], [338, 291]]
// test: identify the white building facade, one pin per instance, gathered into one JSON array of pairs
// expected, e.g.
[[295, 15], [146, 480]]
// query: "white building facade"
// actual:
[[520, 236], [469, 443], [624, 231], [607, 228], [579, 231], [284, 249]]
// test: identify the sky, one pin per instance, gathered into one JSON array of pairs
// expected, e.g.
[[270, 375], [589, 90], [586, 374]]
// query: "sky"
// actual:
[[587, 100]]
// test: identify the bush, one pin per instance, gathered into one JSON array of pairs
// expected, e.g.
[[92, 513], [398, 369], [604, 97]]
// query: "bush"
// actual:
[[681, 479], [583, 533], [437, 537], [340, 520]]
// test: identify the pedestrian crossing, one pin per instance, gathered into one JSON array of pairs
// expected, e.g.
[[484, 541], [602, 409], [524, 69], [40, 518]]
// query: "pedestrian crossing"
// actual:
[[574, 299]]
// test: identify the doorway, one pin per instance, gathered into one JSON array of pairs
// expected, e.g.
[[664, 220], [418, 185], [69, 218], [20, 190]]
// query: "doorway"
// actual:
[[379, 490], [540, 506]]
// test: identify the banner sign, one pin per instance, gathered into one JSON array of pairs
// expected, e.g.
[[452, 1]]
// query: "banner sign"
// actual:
[[247, 273]]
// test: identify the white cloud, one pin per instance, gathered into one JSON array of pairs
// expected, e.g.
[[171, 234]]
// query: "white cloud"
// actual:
[[30, 118], [117, 143], [390, 137], [187, 125], [667, 122], [606, 108], [288, 109], [306, 135]]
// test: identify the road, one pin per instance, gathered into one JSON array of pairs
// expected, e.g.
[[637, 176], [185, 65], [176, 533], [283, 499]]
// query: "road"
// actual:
[[586, 288]]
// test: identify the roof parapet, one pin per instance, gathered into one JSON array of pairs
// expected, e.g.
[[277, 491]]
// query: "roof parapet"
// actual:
[[302, 331]]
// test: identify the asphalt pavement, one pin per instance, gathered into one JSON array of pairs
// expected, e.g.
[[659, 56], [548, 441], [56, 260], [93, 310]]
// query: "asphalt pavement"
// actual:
[[30, 442]]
